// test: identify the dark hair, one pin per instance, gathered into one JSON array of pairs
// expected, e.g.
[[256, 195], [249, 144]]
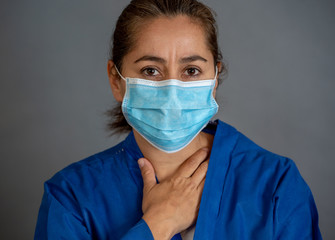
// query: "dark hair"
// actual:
[[139, 11]]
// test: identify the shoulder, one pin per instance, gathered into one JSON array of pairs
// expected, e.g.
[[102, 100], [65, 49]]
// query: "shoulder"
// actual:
[[249, 161], [264, 184], [89, 171], [244, 150], [268, 173]]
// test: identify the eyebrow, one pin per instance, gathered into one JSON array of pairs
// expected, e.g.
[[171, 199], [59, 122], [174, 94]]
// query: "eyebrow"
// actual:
[[162, 60], [192, 58], [151, 58]]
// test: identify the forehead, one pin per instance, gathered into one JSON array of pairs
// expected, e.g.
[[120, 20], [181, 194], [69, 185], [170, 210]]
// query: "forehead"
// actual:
[[170, 36]]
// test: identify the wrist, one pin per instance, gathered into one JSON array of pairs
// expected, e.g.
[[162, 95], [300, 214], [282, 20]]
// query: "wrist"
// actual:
[[161, 230]]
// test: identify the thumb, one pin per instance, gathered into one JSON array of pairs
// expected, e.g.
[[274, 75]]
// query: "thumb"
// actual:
[[148, 174]]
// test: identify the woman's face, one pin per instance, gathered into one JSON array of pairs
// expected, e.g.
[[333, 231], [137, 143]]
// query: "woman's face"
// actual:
[[166, 48]]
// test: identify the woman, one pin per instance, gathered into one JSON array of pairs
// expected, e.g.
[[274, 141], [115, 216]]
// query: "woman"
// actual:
[[176, 175]]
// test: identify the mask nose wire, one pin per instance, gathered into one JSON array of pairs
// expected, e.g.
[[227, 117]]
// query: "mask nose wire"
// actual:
[[120, 73]]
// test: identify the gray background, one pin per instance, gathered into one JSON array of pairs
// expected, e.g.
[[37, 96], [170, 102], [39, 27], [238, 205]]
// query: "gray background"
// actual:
[[54, 91]]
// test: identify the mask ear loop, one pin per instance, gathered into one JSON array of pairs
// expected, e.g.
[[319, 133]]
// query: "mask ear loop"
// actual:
[[216, 73], [120, 73]]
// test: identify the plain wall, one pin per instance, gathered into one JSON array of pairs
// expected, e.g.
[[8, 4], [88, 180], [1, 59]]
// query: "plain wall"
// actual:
[[54, 91]]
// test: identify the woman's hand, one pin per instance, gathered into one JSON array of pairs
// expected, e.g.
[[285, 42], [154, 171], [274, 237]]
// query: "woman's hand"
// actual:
[[172, 205]]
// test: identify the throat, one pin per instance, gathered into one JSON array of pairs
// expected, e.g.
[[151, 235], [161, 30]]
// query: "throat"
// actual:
[[166, 164]]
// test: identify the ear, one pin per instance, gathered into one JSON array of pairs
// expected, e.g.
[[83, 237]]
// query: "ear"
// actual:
[[116, 83], [218, 65]]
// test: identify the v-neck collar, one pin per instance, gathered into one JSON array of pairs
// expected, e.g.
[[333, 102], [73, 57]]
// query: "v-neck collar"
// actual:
[[225, 139]]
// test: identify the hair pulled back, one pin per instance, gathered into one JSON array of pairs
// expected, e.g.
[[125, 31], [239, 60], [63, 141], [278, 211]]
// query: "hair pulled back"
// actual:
[[139, 12]]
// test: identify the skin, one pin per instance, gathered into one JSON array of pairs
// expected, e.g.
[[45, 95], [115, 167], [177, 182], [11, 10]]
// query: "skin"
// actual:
[[169, 48]]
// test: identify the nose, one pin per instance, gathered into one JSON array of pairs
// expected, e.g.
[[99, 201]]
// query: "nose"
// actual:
[[172, 71]]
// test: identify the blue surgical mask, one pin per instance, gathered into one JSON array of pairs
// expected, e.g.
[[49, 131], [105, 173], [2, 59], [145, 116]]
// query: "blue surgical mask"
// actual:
[[169, 114]]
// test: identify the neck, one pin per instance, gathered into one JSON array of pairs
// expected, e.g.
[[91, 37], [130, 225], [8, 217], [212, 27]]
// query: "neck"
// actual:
[[165, 164]]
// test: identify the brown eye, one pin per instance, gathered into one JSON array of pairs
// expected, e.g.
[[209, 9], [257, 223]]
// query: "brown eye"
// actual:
[[150, 72], [192, 72]]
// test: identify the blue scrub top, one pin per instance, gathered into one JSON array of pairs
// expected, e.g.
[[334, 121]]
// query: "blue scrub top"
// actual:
[[249, 193]]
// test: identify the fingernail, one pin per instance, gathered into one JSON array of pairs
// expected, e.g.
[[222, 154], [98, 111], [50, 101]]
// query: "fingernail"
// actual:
[[140, 162]]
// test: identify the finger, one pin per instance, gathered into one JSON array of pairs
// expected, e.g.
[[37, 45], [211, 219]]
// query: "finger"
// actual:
[[192, 163], [201, 186], [200, 174], [200, 190], [148, 174]]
